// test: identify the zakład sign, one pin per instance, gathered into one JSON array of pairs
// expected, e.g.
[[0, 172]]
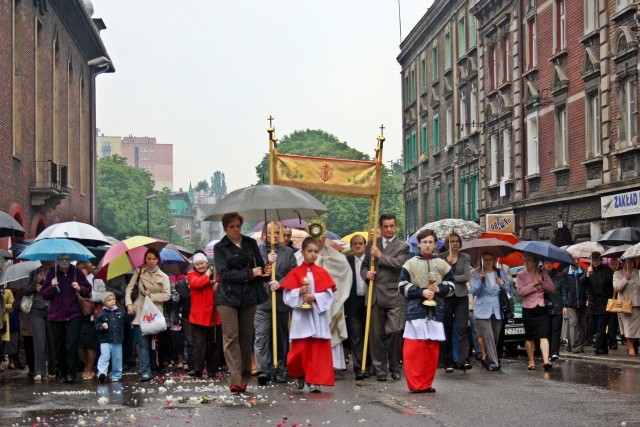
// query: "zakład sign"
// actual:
[[620, 204], [502, 223]]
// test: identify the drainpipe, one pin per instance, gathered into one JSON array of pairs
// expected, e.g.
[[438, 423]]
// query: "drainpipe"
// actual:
[[522, 113]]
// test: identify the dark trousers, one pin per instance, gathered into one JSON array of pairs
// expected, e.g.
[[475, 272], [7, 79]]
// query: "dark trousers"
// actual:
[[555, 326], [188, 337], [612, 330], [456, 311], [385, 338], [65, 337], [207, 348], [601, 321], [356, 317], [128, 344]]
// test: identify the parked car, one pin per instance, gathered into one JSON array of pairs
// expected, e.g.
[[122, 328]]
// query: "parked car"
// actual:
[[514, 328]]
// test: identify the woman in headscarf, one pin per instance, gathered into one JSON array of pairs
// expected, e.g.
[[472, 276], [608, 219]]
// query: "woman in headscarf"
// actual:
[[149, 281]]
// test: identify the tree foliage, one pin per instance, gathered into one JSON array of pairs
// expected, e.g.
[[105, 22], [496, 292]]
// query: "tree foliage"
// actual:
[[346, 214], [122, 192], [218, 184], [202, 185]]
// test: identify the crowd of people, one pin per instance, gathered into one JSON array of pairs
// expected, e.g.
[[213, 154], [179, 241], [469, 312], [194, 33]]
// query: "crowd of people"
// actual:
[[428, 311]]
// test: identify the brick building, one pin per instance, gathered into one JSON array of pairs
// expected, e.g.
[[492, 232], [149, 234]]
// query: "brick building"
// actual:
[[557, 141], [50, 55]]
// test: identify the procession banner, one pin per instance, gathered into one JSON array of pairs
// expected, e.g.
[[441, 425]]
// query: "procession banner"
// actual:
[[355, 178]]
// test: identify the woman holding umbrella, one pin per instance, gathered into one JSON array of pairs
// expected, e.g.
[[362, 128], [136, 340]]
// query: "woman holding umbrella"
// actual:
[[626, 282], [532, 284], [238, 261], [60, 288], [149, 281]]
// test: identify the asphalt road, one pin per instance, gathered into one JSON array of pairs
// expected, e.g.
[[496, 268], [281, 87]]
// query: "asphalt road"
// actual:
[[577, 392]]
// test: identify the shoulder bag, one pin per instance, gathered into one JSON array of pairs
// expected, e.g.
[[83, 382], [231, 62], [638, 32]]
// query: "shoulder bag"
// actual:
[[619, 305], [87, 307], [26, 303]]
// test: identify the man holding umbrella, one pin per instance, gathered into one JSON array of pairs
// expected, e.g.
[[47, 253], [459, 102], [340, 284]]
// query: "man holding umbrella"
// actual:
[[61, 287], [599, 285]]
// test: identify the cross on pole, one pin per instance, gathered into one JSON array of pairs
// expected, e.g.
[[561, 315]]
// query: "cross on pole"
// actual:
[[381, 130], [271, 119]]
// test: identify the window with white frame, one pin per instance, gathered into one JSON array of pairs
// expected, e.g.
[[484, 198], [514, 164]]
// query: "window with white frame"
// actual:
[[506, 153], [562, 136], [449, 125], [473, 105], [494, 159], [592, 123], [590, 16], [463, 115], [533, 165], [559, 25], [493, 67], [620, 4], [627, 110], [532, 43]]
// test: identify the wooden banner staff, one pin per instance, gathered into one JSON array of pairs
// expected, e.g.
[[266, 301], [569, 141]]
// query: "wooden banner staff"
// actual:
[[274, 320], [374, 212]]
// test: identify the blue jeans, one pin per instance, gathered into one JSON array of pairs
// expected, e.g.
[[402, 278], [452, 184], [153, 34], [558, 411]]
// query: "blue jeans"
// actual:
[[145, 350], [111, 352]]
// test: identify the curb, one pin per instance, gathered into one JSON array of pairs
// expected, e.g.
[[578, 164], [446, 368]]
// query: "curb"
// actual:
[[628, 360]]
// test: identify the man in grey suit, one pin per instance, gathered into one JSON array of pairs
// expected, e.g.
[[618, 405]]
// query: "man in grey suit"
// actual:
[[286, 261], [387, 306]]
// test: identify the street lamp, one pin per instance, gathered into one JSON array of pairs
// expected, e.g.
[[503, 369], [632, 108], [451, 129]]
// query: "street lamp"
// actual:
[[170, 230], [151, 197]]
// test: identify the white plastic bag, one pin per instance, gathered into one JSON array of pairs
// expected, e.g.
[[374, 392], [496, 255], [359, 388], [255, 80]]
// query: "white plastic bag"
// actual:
[[26, 303], [152, 321]]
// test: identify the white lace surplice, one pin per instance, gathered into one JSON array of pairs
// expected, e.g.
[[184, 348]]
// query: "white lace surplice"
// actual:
[[309, 323]]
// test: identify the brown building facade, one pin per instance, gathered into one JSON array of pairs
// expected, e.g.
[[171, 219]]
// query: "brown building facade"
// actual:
[[50, 54]]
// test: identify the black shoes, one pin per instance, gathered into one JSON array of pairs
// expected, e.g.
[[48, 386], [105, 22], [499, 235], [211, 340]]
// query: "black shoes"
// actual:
[[381, 378], [195, 374], [548, 367], [102, 377], [145, 379], [426, 390], [359, 376], [395, 376], [263, 378]]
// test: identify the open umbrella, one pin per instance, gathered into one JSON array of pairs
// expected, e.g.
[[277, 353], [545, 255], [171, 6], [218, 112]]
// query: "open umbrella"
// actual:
[[348, 237], [620, 236], [478, 247], [86, 234], [49, 249], [584, 249], [632, 252], [513, 259], [615, 251], [9, 227], [184, 251], [291, 223], [268, 203], [127, 255], [545, 250], [14, 274], [466, 229], [173, 261]]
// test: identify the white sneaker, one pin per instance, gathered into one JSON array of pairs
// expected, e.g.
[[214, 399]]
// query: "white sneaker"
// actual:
[[313, 388]]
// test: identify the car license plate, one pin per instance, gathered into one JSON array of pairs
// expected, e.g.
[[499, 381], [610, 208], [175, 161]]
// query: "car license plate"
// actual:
[[514, 331]]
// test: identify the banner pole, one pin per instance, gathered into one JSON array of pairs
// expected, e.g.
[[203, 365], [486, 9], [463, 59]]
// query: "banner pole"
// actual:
[[274, 319], [374, 212]]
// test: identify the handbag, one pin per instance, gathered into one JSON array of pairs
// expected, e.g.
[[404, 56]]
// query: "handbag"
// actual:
[[87, 307], [624, 306], [135, 292], [505, 305], [26, 303]]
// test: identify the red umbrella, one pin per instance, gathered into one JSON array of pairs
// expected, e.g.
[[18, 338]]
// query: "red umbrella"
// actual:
[[512, 260]]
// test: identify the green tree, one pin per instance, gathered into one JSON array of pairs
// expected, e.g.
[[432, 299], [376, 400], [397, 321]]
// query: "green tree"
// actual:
[[346, 214], [218, 184], [202, 185], [122, 192]]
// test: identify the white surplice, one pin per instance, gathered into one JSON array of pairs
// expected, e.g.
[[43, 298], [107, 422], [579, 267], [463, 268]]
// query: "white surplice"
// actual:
[[312, 323]]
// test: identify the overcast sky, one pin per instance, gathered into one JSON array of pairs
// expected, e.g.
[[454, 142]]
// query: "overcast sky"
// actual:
[[204, 75]]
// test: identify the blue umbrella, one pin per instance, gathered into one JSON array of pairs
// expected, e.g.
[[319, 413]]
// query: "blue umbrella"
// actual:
[[49, 249], [331, 235], [545, 250], [173, 262]]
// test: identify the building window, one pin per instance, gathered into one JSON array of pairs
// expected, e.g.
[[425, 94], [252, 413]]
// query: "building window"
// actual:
[[423, 74], [406, 91], [621, 4], [493, 68], [494, 159], [436, 134], [504, 55], [562, 138], [462, 38], [447, 51], [627, 97], [506, 153], [413, 84], [472, 31], [425, 208], [414, 148], [533, 166], [449, 199], [423, 139], [463, 116], [474, 197], [436, 201], [434, 65], [532, 44], [463, 198], [407, 152], [590, 15], [449, 125], [473, 105], [560, 25], [592, 123]]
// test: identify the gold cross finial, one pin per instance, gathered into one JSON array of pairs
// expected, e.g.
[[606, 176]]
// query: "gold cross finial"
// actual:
[[271, 119], [381, 130]]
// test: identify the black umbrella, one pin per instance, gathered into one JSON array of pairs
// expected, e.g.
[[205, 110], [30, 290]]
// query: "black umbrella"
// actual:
[[9, 227], [621, 236]]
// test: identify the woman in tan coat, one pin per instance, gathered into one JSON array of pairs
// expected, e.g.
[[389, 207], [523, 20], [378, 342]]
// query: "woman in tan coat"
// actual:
[[152, 282], [626, 282]]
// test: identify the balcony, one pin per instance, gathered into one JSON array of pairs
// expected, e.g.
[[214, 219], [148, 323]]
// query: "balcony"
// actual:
[[49, 187]]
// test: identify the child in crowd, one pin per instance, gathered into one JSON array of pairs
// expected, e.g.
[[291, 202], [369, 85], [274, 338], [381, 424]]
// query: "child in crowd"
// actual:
[[310, 358], [110, 327]]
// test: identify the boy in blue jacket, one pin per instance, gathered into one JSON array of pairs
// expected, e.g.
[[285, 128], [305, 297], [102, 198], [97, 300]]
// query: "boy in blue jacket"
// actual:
[[110, 327]]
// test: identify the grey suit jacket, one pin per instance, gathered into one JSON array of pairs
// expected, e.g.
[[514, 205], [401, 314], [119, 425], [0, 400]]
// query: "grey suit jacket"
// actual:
[[388, 266], [461, 274]]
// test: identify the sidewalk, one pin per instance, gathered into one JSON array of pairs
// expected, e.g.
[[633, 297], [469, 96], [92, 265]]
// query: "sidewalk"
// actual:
[[618, 356]]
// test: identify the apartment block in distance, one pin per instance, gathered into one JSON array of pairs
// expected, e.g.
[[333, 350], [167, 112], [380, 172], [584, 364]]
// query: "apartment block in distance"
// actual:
[[144, 152]]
